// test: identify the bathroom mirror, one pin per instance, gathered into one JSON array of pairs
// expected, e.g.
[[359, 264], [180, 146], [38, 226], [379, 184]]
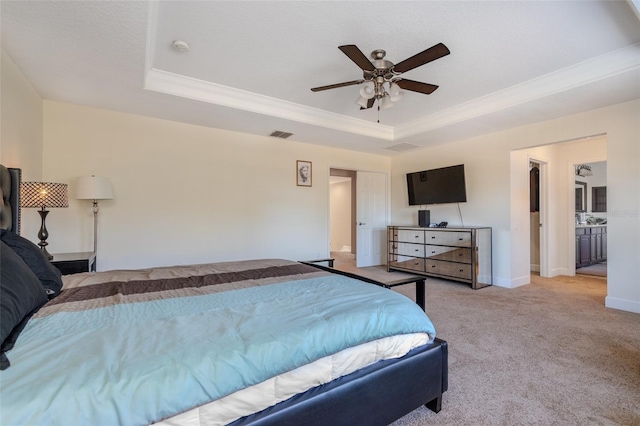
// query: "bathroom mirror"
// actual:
[[581, 196]]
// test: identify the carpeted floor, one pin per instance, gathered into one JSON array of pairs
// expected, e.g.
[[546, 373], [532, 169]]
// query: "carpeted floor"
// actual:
[[547, 353]]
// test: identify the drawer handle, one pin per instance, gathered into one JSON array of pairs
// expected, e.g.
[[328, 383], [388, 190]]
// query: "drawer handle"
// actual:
[[416, 264], [460, 239], [461, 270], [433, 252], [417, 236], [460, 254], [433, 237], [433, 266], [416, 250]]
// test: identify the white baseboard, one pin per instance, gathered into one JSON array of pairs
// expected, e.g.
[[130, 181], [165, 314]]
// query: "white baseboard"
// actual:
[[622, 304], [557, 272], [511, 283], [535, 268]]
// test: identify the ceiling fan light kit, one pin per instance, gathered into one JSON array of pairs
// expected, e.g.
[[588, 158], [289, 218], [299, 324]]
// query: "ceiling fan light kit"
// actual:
[[381, 79], [386, 102], [362, 101], [368, 90], [394, 92]]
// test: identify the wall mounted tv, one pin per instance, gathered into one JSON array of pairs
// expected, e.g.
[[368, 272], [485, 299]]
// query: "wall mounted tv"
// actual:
[[437, 186]]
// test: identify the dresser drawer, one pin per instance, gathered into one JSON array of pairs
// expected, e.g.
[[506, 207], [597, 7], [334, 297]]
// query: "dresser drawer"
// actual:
[[410, 236], [449, 269], [413, 264], [448, 238], [407, 249], [452, 254]]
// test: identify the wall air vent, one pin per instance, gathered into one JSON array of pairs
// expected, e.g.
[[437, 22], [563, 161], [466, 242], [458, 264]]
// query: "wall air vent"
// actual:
[[402, 147], [280, 134]]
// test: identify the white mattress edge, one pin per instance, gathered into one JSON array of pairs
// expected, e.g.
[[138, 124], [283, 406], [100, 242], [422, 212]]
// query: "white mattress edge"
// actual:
[[280, 388]]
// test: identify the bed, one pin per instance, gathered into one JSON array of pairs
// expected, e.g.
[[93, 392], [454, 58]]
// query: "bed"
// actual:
[[263, 342]]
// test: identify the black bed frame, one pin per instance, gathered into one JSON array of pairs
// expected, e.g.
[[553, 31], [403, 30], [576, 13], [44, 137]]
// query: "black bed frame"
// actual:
[[10, 179], [375, 395]]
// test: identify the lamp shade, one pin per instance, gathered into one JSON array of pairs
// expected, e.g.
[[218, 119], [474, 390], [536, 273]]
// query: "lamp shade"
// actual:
[[43, 194], [93, 188]]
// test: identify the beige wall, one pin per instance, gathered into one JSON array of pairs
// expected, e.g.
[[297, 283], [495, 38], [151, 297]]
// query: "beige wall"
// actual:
[[188, 194], [20, 130], [494, 198], [21, 122]]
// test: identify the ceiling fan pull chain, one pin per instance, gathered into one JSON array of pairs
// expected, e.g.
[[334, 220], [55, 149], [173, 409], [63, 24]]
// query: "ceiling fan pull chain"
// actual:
[[378, 111]]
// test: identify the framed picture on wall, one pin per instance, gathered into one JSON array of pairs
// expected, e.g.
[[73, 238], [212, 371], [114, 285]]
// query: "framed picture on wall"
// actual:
[[303, 173]]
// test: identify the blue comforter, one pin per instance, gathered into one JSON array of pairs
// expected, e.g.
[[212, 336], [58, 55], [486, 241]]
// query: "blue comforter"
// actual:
[[136, 363]]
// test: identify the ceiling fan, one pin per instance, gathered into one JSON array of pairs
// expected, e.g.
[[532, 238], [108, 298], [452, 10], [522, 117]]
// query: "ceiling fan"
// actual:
[[381, 77]]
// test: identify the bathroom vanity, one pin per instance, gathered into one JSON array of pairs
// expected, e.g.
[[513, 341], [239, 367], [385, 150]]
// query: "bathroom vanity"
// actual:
[[591, 244]]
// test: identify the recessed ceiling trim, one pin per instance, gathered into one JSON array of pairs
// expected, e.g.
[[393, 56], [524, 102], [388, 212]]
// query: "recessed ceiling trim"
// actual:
[[589, 71], [152, 28], [205, 91]]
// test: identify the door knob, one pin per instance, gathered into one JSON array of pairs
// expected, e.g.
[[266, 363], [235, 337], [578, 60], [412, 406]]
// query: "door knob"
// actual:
[[361, 223]]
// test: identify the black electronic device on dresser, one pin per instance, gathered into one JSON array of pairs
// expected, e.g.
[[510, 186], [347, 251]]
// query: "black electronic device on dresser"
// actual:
[[73, 263], [424, 218]]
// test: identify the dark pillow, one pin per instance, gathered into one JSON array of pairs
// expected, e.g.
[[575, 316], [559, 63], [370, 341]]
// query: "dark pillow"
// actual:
[[21, 295], [48, 274]]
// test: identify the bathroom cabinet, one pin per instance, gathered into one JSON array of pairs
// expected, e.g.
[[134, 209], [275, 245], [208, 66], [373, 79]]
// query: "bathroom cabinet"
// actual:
[[591, 245]]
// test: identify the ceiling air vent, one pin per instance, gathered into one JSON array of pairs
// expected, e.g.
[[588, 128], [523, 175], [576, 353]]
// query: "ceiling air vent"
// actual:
[[280, 134], [402, 147]]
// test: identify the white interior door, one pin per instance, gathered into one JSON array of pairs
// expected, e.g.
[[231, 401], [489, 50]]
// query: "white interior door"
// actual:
[[371, 225]]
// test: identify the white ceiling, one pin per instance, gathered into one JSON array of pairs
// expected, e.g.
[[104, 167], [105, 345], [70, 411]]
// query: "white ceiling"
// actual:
[[251, 65]]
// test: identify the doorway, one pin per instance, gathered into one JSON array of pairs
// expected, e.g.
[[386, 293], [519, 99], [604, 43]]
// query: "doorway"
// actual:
[[363, 198], [537, 216], [534, 214], [342, 211], [591, 218], [557, 200]]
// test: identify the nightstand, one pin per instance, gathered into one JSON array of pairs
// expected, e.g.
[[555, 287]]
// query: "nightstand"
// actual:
[[73, 263]]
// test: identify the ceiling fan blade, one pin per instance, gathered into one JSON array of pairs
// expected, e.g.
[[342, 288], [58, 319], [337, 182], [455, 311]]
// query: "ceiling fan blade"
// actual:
[[431, 54], [334, 86], [356, 55], [369, 103], [416, 86]]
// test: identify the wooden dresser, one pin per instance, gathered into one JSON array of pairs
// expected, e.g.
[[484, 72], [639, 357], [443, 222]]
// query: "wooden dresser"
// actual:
[[461, 254]]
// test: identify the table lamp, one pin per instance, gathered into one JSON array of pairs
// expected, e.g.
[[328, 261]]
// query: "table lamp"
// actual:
[[94, 188], [43, 195]]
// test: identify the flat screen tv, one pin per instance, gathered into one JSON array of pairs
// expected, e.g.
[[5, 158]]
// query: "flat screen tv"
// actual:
[[437, 186]]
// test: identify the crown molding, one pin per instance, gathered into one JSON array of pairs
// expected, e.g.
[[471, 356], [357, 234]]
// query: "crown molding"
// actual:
[[205, 91], [589, 71]]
